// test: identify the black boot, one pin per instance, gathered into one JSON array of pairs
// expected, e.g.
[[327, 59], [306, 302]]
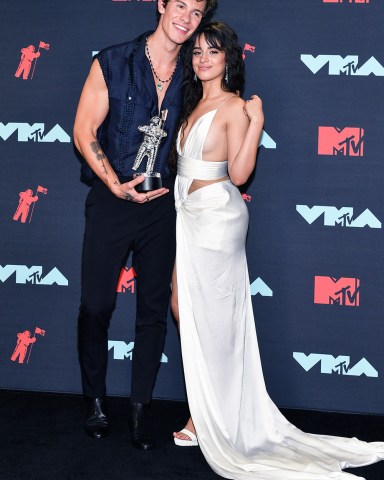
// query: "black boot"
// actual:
[[138, 425], [97, 424]]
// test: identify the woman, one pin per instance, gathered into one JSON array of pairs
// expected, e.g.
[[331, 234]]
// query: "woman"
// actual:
[[240, 431]]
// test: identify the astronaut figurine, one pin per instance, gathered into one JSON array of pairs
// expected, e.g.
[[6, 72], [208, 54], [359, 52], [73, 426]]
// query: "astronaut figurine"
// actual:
[[149, 147]]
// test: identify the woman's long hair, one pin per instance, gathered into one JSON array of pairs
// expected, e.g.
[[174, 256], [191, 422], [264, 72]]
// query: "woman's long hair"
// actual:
[[217, 35]]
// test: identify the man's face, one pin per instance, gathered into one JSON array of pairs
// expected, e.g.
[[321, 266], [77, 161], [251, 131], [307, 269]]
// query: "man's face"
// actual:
[[180, 18]]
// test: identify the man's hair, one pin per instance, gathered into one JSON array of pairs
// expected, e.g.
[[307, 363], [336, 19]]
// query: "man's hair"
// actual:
[[210, 8]]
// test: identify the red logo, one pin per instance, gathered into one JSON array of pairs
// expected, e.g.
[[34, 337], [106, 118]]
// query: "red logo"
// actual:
[[27, 199], [346, 1], [248, 48], [28, 56], [127, 280], [25, 342], [348, 141], [246, 197], [338, 291]]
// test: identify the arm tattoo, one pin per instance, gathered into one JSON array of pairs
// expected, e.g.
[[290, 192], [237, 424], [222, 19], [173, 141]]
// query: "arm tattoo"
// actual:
[[96, 149]]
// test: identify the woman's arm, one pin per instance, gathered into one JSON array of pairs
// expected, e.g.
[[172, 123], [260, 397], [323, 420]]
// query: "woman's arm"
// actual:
[[244, 127]]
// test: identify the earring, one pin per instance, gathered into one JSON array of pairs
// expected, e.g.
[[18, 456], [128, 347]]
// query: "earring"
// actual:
[[226, 73], [195, 78]]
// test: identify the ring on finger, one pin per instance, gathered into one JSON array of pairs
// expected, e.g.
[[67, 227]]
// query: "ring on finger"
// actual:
[[147, 198]]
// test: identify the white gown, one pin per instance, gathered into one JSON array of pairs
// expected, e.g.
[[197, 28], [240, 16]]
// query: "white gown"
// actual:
[[241, 432]]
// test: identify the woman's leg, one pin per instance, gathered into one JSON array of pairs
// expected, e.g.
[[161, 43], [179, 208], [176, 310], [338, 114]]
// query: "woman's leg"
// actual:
[[175, 311]]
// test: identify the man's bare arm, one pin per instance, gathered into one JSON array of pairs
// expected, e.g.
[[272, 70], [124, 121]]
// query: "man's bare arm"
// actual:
[[91, 112]]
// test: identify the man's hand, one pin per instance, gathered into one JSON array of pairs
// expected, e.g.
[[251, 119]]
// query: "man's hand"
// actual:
[[126, 191]]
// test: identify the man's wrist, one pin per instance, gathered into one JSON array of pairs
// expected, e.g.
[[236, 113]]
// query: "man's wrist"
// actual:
[[112, 183]]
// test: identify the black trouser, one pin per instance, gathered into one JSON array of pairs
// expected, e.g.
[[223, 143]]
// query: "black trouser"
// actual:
[[113, 228]]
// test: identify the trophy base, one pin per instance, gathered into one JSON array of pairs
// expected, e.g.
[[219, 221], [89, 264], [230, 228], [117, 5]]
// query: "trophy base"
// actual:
[[152, 181]]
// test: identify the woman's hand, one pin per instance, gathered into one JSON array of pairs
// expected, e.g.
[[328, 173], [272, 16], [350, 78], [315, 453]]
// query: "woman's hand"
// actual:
[[253, 109], [245, 125]]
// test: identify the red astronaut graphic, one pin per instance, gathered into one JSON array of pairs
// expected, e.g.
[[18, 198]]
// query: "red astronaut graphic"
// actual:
[[28, 55], [248, 48], [246, 197], [27, 199], [24, 340]]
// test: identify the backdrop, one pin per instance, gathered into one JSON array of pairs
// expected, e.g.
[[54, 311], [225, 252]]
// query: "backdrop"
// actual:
[[316, 199]]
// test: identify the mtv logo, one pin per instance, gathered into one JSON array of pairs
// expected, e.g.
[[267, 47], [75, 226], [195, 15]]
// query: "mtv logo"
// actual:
[[347, 141], [343, 217], [32, 275], [35, 132], [349, 1], [338, 65], [266, 141], [337, 291], [258, 286], [340, 364], [126, 280], [122, 350]]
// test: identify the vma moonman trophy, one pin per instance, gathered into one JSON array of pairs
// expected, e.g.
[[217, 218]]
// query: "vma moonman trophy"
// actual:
[[149, 148]]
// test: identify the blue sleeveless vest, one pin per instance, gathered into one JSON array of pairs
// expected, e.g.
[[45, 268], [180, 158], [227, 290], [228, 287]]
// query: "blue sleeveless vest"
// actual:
[[132, 103]]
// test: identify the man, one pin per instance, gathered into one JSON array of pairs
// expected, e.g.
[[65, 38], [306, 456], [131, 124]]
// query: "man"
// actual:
[[127, 86]]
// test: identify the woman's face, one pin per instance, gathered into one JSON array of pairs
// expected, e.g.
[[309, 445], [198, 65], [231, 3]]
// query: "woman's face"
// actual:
[[208, 62]]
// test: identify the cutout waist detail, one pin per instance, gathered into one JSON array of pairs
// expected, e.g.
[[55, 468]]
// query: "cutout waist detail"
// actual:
[[201, 169]]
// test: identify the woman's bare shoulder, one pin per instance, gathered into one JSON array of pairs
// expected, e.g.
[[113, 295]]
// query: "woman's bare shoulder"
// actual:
[[235, 102], [234, 109]]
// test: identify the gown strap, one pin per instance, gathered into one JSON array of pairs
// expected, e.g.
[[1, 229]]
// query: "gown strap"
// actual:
[[222, 103]]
